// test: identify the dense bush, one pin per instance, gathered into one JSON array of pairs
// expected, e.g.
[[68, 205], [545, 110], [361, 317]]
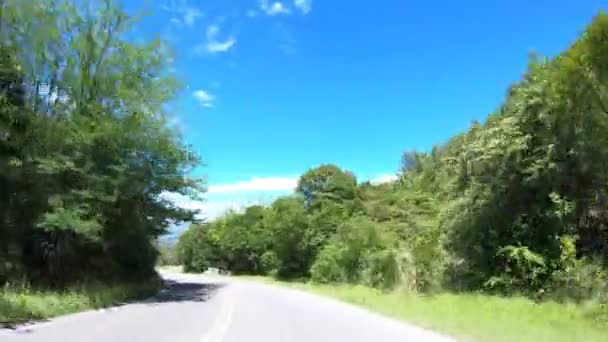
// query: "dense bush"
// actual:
[[360, 251], [195, 249]]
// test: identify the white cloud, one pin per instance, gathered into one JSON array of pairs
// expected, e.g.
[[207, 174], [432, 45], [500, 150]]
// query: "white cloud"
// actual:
[[305, 6], [211, 209], [384, 178], [217, 46], [212, 31], [207, 210], [177, 124], [182, 201], [213, 44], [191, 14], [182, 13], [256, 184], [204, 98], [274, 8]]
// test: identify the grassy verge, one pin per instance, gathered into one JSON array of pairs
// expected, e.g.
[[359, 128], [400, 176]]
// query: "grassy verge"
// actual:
[[18, 305], [475, 317]]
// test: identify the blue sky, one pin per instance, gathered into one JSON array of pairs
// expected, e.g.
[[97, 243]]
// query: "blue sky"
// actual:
[[276, 87]]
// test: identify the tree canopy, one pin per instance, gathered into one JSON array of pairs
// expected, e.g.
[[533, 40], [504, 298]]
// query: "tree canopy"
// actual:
[[85, 149]]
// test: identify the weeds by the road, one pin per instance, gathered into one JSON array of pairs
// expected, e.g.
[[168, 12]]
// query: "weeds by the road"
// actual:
[[475, 317], [21, 304]]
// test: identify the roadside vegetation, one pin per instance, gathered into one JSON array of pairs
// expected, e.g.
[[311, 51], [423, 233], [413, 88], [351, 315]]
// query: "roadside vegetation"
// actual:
[[471, 316], [20, 304], [86, 154], [513, 208], [167, 255]]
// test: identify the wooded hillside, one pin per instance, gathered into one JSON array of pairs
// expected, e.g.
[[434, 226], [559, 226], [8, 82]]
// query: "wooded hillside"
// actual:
[[517, 204]]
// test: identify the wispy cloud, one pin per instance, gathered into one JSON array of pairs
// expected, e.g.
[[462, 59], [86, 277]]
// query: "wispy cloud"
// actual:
[[212, 208], [212, 31], [273, 8], [204, 98], [252, 13], [384, 178], [217, 46], [181, 13], [207, 210], [256, 184], [191, 14], [213, 43], [177, 124], [305, 6]]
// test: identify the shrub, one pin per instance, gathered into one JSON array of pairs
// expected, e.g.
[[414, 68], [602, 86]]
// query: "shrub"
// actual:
[[577, 278], [360, 252], [270, 262], [327, 268], [381, 269], [524, 270]]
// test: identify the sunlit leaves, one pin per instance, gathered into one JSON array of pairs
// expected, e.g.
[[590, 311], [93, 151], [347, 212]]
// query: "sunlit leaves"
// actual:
[[86, 122]]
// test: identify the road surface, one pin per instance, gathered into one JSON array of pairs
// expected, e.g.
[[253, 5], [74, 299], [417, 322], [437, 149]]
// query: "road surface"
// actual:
[[206, 309]]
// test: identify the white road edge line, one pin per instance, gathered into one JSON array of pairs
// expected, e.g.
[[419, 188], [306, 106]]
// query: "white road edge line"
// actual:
[[221, 324]]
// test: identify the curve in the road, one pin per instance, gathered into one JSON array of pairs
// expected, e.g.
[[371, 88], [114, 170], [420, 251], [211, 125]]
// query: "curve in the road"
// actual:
[[203, 309]]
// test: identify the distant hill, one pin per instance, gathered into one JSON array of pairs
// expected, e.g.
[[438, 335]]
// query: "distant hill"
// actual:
[[174, 232]]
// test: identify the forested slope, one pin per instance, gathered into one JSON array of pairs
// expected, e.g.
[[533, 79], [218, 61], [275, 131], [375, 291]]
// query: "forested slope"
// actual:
[[517, 204]]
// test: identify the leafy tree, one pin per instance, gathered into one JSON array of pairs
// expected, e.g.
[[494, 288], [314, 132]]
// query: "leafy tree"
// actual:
[[195, 249], [86, 152], [326, 182], [243, 239], [288, 222]]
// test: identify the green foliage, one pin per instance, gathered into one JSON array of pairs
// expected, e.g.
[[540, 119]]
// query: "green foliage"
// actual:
[[21, 304], [474, 316], [524, 269], [194, 249], [535, 171], [326, 182], [516, 204], [578, 278], [168, 255], [287, 221], [85, 151], [361, 251]]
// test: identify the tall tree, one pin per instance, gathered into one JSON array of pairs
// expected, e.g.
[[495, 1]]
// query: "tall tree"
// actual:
[[90, 150]]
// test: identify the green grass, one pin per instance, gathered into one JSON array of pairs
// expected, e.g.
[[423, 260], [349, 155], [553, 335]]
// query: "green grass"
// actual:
[[21, 304], [469, 317]]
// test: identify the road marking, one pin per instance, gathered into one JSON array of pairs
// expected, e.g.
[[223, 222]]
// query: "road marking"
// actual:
[[223, 329], [221, 323]]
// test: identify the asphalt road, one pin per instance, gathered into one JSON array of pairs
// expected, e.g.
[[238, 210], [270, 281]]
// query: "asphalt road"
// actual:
[[205, 309]]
